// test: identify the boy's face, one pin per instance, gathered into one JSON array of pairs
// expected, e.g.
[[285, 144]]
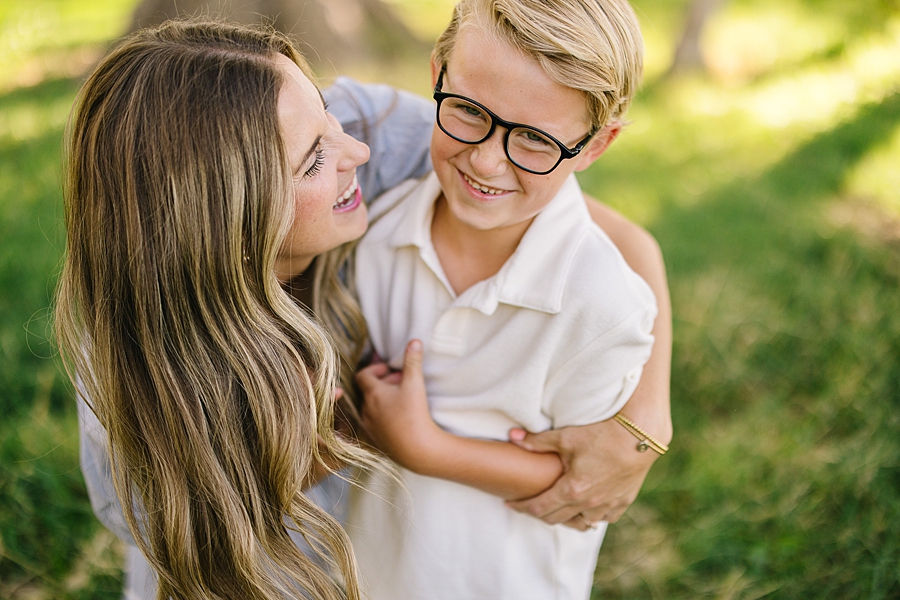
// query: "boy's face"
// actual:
[[483, 189]]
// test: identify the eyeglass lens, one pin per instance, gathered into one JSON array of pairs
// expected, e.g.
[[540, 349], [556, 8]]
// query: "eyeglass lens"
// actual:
[[528, 148]]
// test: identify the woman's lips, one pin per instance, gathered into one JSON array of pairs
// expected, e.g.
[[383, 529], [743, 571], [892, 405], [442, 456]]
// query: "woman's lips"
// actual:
[[350, 199]]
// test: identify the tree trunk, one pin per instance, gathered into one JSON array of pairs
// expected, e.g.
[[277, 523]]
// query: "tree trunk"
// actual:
[[688, 53], [329, 32]]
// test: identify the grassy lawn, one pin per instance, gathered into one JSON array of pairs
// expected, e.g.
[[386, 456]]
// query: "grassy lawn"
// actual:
[[773, 186]]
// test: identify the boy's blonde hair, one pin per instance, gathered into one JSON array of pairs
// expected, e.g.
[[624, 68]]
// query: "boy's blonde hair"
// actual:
[[590, 45]]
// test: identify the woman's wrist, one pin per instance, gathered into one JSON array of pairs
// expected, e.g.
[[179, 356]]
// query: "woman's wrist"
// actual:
[[655, 422], [645, 440]]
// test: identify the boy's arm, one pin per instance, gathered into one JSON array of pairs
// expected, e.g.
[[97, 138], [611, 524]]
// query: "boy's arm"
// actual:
[[396, 415], [603, 470]]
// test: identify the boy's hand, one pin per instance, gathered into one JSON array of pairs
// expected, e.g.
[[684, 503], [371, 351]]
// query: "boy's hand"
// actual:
[[395, 408], [603, 473]]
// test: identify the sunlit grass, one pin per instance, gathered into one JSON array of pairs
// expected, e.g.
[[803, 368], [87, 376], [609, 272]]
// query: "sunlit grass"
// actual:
[[868, 70], [877, 176], [24, 119], [426, 18], [745, 41], [41, 38]]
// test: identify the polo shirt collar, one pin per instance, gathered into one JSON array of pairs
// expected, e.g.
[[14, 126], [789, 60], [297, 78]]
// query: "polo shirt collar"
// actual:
[[414, 228], [535, 276]]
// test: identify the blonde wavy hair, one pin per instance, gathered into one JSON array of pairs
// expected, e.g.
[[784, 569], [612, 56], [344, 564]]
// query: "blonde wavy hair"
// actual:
[[215, 386], [590, 45]]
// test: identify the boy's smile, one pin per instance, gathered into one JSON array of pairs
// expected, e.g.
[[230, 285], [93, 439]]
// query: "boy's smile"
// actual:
[[483, 189]]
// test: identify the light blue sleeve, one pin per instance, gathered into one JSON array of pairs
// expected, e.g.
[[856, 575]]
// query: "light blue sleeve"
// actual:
[[396, 125], [96, 468]]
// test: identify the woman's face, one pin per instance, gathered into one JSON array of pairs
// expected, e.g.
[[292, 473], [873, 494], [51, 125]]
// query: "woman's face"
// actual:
[[328, 202]]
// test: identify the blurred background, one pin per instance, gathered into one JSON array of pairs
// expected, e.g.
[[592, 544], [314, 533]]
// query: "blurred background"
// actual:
[[764, 155]]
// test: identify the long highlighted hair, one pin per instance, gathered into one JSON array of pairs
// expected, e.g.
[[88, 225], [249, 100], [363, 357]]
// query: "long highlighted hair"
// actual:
[[215, 386]]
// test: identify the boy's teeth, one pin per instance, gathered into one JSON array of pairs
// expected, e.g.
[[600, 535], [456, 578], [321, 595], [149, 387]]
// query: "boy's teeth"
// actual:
[[482, 188]]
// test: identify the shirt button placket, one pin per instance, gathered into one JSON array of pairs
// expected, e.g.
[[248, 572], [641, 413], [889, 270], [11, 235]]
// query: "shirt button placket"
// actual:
[[448, 334]]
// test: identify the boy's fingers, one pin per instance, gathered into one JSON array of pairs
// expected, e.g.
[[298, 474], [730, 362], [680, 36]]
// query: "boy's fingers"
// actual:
[[546, 441], [412, 361], [369, 377], [377, 371], [394, 378]]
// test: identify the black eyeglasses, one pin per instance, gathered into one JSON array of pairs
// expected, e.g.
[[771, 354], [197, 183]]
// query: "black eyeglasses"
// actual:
[[527, 147]]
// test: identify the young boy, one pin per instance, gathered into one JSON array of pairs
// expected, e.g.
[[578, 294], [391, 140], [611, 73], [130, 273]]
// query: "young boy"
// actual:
[[529, 315]]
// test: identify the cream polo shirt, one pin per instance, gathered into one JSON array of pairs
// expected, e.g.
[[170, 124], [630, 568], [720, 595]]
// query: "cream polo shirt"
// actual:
[[557, 337]]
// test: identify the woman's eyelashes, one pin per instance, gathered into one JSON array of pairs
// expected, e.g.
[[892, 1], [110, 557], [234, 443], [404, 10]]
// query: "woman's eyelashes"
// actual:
[[317, 165], [320, 152]]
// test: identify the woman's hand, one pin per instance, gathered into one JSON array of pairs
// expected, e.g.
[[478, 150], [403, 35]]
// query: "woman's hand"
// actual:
[[395, 408], [603, 473]]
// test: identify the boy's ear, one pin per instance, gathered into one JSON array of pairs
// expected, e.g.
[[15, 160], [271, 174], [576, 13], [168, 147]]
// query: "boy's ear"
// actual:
[[435, 70], [598, 145]]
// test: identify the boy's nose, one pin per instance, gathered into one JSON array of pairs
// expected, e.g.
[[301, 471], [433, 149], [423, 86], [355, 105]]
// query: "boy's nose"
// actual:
[[489, 157]]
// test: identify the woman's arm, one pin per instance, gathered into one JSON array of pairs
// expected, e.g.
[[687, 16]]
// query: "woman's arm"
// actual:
[[396, 415], [649, 405], [603, 470]]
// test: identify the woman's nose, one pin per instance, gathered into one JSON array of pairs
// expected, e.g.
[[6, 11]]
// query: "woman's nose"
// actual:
[[353, 153]]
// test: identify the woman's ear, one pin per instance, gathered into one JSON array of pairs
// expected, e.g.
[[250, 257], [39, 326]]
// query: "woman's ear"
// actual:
[[598, 145]]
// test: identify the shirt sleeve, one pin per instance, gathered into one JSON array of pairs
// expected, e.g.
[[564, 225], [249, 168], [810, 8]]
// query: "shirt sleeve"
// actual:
[[396, 125], [95, 465], [599, 379], [330, 494]]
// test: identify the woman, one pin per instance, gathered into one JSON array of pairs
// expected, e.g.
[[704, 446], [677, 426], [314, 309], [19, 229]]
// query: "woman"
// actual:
[[181, 161], [203, 175]]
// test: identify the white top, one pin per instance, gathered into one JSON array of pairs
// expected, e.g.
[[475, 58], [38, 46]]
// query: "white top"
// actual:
[[557, 337]]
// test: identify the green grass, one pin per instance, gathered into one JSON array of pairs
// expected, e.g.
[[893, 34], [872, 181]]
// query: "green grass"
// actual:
[[48, 535], [783, 478], [51, 546], [772, 188], [784, 475]]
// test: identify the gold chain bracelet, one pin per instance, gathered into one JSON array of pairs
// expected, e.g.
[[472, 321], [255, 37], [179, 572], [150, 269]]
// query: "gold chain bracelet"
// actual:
[[644, 439]]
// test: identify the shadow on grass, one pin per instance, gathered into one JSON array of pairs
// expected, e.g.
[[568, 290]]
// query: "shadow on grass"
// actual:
[[784, 480], [740, 221], [42, 93]]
